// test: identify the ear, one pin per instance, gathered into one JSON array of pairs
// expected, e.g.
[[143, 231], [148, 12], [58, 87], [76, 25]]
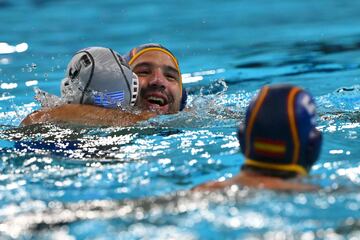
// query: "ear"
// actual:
[[184, 96], [241, 137], [313, 147]]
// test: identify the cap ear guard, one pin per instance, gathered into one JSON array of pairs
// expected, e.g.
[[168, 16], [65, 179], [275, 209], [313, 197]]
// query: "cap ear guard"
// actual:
[[183, 99], [70, 90], [135, 88], [306, 125]]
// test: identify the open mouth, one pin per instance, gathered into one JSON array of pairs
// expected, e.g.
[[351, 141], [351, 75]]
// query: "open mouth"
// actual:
[[157, 100]]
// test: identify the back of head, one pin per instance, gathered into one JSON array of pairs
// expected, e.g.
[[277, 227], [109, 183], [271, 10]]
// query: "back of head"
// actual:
[[279, 135], [99, 76]]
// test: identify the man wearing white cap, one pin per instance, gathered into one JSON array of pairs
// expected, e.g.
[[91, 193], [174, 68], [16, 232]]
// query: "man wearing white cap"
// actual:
[[99, 85]]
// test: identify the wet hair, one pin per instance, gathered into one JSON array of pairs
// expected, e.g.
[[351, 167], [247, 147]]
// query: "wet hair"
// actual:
[[279, 135], [134, 53]]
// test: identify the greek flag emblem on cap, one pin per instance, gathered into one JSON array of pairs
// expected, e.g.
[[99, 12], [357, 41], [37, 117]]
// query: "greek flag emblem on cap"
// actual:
[[109, 99]]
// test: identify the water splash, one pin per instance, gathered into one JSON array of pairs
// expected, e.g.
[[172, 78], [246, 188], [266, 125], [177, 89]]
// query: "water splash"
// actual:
[[48, 100]]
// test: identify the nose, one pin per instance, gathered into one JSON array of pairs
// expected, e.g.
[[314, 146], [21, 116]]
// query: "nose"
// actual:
[[158, 78]]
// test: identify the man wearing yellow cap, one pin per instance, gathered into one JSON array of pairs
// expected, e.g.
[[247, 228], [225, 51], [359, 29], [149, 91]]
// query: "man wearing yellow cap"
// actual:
[[160, 92], [159, 77]]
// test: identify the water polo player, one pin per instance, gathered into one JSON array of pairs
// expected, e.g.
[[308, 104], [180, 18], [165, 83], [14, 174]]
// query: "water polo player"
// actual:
[[99, 76], [278, 139], [160, 78], [160, 92]]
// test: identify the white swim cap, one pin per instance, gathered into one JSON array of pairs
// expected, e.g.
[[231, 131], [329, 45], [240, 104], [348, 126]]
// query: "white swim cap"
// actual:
[[99, 76]]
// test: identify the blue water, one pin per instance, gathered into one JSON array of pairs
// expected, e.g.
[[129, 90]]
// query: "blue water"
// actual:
[[71, 182]]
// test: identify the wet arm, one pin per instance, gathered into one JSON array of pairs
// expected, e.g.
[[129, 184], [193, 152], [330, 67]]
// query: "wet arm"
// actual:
[[85, 115]]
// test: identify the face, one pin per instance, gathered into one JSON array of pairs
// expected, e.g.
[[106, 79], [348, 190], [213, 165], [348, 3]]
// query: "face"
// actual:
[[160, 87]]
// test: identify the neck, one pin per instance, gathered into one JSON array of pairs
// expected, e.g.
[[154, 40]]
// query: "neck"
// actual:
[[258, 180], [257, 174]]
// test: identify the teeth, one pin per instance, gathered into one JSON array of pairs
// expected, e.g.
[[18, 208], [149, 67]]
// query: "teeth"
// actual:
[[155, 99]]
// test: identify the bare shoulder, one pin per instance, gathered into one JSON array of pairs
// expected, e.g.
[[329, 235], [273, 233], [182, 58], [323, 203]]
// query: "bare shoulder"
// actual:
[[35, 117], [211, 186], [260, 182], [85, 115]]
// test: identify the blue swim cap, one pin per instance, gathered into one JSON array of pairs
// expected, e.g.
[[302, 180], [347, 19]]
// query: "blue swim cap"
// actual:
[[279, 134], [136, 52]]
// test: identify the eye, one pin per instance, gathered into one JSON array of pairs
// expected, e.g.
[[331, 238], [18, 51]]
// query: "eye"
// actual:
[[171, 77], [143, 73]]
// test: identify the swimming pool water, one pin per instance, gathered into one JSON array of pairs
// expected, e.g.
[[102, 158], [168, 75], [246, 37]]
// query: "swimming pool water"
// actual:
[[72, 182]]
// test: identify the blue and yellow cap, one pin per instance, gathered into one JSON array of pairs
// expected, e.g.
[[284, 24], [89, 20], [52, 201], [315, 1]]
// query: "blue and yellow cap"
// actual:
[[136, 52], [279, 133]]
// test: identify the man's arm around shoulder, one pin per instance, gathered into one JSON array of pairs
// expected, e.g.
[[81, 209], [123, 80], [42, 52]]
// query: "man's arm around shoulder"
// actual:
[[85, 115]]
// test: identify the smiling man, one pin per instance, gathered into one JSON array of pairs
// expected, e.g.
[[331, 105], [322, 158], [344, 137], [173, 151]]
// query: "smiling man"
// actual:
[[160, 92], [160, 79]]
